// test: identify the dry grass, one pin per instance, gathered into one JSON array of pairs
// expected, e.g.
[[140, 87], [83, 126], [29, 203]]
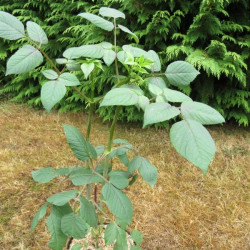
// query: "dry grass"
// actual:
[[184, 211]]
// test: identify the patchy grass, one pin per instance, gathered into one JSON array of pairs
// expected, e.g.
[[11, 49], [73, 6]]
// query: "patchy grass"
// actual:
[[185, 210]]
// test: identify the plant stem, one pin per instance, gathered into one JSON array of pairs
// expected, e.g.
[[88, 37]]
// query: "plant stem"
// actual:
[[117, 111]]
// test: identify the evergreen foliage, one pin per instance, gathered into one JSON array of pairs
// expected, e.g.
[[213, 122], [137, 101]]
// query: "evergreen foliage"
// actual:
[[213, 35]]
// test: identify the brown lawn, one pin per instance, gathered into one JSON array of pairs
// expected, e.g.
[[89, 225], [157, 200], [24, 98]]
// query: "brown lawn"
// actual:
[[185, 210]]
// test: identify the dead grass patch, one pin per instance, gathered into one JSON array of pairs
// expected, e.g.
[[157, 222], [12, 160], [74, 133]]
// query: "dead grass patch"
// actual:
[[184, 211]]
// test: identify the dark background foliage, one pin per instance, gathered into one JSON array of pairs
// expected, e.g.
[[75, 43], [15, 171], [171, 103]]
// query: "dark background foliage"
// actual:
[[213, 35]]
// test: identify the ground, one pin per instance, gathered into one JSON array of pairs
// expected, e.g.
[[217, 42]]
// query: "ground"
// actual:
[[185, 210]]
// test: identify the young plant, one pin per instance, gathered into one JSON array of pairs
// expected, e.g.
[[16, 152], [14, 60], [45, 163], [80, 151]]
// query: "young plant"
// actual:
[[75, 213]]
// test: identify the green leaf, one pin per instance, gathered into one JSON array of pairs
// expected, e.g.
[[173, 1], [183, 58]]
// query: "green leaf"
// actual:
[[51, 93], [110, 234], [193, 141], [159, 112], [157, 81], [38, 216], [121, 97], [98, 21], [143, 102], [181, 73], [87, 68], [154, 89], [58, 238], [125, 29], [82, 176], [110, 12], [119, 178], [60, 199], [73, 226], [136, 52], [136, 236], [63, 171], [76, 247], [118, 203], [135, 163], [153, 56], [92, 51], [69, 79], [106, 45], [87, 212], [160, 98], [80, 147], [73, 65], [24, 60], [109, 56], [10, 27], [50, 74], [43, 175], [146, 169], [134, 88], [36, 33], [121, 240], [175, 96], [124, 159], [61, 60], [148, 172], [201, 113]]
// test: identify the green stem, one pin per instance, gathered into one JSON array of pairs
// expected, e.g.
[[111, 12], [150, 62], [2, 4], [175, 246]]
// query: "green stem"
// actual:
[[111, 134], [91, 111]]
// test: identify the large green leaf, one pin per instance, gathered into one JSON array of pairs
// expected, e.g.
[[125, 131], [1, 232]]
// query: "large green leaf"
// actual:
[[60, 199], [153, 56], [69, 79], [92, 51], [121, 97], [201, 113], [87, 68], [125, 29], [98, 21], [143, 102], [175, 96], [118, 203], [43, 175], [24, 60], [38, 216], [136, 236], [73, 65], [148, 172], [109, 56], [136, 52], [157, 81], [181, 73], [193, 142], [110, 12], [36, 33], [10, 27], [58, 238], [110, 234], [80, 147], [73, 226], [87, 212], [51, 93], [159, 112], [119, 178], [50, 74], [154, 89], [146, 169], [121, 240], [82, 176]]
